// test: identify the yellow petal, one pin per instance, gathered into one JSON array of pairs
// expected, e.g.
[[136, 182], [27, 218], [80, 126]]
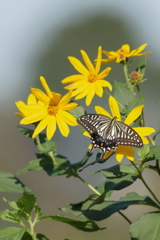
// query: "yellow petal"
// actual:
[[40, 95], [34, 117], [55, 98], [105, 83], [63, 127], [46, 87], [73, 78], [114, 108], [98, 62], [69, 106], [82, 94], [144, 140], [78, 65], [88, 62], [134, 114], [80, 89], [31, 100], [98, 88], [65, 99], [110, 54], [138, 50], [90, 95], [144, 131], [41, 126], [51, 128], [86, 134], [126, 49], [67, 117], [122, 151], [108, 60], [100, 110], [104, 73]]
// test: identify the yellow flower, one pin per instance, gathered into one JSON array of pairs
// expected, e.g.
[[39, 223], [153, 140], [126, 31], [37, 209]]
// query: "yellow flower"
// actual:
[[31, 100], [89, 82], [126, 151], [123, 53], [48, 111]]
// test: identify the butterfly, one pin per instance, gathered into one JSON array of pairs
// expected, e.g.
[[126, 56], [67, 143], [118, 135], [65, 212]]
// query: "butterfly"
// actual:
[[107, 134]]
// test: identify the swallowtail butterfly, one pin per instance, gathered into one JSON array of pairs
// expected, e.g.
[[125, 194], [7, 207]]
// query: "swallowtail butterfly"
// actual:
[[107, 134]]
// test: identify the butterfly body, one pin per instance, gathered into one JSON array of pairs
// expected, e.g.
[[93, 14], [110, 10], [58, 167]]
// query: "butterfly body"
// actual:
[[107, 134]]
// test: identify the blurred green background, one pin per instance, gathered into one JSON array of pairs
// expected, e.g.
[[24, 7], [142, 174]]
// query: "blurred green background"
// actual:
[[36, 39]]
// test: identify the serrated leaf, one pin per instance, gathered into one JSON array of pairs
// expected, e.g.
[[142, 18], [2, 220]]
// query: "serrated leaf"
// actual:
[[10, 216], [153, 154], [45, 162], [11, 204], [142, 152], [146, 227], [26, 131], [12, 233], [9, 183], [47, 146], [78, 111], [118, 171], [107, 208], [27, 202], [84, 225], [122, 94]]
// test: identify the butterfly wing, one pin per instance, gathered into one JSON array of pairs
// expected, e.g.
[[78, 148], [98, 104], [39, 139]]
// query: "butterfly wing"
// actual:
[[107, 134]]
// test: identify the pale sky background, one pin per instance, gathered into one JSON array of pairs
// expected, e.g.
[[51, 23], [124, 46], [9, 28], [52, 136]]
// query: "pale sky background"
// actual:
[[28, 29]]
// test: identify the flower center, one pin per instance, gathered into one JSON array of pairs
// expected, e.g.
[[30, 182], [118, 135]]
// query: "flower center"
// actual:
[[92, 78], [52, 110], [121, 53]]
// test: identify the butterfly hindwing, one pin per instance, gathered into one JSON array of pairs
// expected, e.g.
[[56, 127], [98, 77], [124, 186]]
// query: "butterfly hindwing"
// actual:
[[107, 134]]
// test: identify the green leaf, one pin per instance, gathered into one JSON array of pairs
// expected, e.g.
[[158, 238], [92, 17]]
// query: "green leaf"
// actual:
[[53, 168], [12, 204], [10, 216], [122, 94], [46, 146], [142, 152], [9, 183], [119, 176], [26, 236], [142, 67], [27, 202], [107, 208], [40, 236], [84, 225], [146, 227], [12, 233], [78, 111], [26, 131], [134, 103], [153, 154], [156, 134]]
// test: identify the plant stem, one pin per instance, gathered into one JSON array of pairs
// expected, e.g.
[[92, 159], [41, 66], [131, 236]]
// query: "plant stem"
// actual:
[[127, 219], [144, 182]]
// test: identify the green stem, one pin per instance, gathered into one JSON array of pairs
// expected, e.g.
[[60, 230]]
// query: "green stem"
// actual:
[[125, 69], [144, 182], [32, 224], [124, 216]]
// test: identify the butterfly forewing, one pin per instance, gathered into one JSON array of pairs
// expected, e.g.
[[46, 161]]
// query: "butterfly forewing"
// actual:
[[107, 134]]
